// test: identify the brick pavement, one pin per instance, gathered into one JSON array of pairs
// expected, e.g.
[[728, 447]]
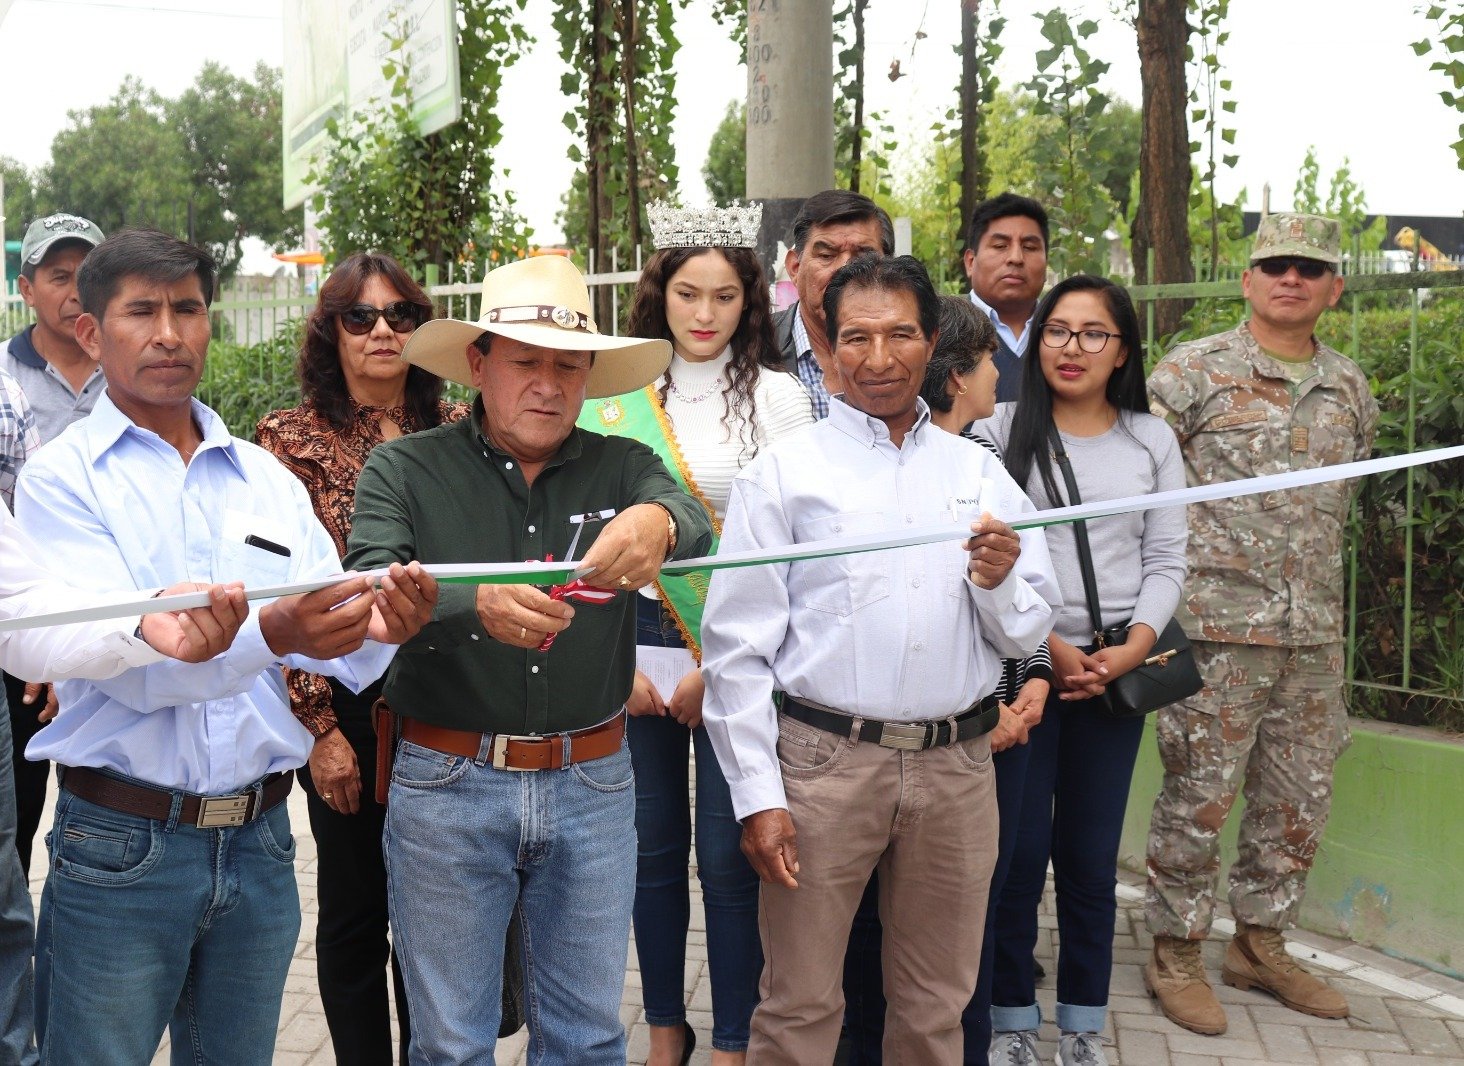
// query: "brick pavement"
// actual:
[[1402, 1013]]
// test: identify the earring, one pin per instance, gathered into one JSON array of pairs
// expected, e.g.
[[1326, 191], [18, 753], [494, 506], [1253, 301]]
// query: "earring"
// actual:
[[961, 391]]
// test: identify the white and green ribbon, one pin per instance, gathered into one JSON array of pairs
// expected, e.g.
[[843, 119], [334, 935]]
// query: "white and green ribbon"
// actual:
[[535, 573]]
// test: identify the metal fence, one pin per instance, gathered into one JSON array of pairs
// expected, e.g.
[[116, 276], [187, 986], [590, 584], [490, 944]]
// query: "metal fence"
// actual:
[[256, 336]]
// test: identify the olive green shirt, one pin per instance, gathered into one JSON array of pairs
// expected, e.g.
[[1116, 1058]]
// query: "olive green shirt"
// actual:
[[448, 496]]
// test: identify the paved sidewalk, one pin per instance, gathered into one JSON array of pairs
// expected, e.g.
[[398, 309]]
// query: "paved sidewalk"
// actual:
[[1401, 1013]]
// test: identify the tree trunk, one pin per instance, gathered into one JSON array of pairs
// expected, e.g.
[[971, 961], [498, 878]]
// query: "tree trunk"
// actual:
[[856, 151], [628, 46], [973, 165], [1161, 223], [599, 124]]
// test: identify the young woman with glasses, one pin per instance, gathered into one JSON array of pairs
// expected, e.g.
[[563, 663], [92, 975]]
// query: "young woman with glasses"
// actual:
[[356, 393], [1084, 378]]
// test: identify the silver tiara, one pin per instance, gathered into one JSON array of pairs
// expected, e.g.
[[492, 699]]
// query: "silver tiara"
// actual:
[[735, 226]]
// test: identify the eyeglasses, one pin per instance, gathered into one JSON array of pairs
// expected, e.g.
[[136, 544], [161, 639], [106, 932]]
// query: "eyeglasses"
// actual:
[[1276, 267], [1091, 341], [402, 316]]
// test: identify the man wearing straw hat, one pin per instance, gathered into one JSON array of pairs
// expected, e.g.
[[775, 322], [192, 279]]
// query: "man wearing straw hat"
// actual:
[[511, 785]]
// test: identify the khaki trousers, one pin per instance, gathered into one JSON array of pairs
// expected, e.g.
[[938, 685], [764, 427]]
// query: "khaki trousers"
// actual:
[[927, 820]]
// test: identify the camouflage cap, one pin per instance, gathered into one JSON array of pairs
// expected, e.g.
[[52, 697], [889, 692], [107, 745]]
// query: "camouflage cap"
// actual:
[[1306, 236]]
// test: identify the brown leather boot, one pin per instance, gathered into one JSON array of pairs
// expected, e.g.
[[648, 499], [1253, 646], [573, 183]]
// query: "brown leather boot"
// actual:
[[1257, 958], [1175, 976]]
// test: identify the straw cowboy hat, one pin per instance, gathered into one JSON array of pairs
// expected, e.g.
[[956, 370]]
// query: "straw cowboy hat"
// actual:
[[542, 301]]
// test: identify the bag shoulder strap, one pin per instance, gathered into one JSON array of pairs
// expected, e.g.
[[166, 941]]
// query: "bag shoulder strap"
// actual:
[[1080, 534]]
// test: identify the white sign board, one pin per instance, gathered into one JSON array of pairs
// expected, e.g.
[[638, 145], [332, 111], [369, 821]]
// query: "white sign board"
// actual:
[[335, 52]]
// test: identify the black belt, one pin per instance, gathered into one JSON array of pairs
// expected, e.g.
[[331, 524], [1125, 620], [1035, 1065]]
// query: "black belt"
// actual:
[[906, 736]]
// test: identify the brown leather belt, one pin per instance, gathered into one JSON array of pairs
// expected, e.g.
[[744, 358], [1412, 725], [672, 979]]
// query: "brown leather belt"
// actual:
[[551, 752], [145, 801]]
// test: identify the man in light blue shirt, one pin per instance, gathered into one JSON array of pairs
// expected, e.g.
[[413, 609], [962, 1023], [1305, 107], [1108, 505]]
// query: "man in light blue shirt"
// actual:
[[1006, 262], [170, 898]]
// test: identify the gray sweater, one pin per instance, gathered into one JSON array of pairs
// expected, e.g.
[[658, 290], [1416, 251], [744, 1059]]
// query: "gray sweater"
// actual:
[[1139, 559]]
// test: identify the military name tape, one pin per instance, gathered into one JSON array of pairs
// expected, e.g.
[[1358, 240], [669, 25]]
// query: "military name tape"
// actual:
[[533, 573]]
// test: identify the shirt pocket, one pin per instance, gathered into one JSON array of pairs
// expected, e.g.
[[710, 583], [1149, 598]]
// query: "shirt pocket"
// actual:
[[1237, 444], [256, 567], [840, 584]]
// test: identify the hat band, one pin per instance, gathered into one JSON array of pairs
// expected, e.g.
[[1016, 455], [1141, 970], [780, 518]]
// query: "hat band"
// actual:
[[547, 314]]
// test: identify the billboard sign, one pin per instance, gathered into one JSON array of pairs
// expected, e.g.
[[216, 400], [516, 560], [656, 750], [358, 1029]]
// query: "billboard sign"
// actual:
[[334, 54]]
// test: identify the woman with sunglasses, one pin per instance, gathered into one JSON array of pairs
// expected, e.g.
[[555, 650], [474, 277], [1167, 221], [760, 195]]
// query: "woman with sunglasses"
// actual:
[[356, 393], [724, 396], [1082, 399]]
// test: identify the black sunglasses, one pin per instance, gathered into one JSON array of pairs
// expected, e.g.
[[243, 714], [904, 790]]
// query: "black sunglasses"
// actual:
[[1276, 267], [402, 316]]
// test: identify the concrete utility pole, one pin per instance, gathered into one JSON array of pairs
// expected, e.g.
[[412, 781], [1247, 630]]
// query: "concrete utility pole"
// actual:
[[790, 110]]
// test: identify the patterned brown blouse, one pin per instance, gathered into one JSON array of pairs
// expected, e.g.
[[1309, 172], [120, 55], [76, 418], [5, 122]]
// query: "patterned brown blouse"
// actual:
[[328, 461]]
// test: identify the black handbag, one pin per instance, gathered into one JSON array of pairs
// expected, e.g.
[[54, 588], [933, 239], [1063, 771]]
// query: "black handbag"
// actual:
[[1167, 676]]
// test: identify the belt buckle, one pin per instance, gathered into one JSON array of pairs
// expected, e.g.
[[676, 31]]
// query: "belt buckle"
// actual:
[[903, 736], [222, 812], [500, 752]]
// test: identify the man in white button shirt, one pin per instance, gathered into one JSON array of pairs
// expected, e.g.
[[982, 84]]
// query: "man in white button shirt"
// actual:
[[170, 898], [878, 757]]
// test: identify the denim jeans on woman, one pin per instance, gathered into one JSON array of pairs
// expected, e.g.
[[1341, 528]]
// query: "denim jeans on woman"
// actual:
[[1079, 767], [149, 924], [464, 842], [662, 897]]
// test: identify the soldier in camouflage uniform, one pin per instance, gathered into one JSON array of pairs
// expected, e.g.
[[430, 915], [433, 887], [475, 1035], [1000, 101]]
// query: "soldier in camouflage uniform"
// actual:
[[1264, 605]]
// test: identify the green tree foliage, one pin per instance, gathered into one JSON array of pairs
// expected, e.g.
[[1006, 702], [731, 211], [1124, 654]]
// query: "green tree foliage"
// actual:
[[204, 166], [1447, 44], [725, 170], [1065, 88], [1209, 102], [428, 199], [19, 207]]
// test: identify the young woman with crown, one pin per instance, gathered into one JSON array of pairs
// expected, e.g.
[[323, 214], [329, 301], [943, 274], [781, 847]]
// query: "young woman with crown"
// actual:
[[724, 397]]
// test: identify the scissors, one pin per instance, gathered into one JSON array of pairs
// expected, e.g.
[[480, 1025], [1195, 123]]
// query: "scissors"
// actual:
[[576, 588]]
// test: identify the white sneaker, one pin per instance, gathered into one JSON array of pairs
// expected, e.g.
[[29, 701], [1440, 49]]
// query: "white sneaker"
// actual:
[[1014, 1048], [1080, 1049]]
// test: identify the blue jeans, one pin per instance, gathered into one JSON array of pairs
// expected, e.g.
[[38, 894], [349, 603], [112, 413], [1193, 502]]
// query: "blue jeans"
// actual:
[[17, 933], [864, 999], [464, 843], [150, 924], [1078, 774], [662, 899]]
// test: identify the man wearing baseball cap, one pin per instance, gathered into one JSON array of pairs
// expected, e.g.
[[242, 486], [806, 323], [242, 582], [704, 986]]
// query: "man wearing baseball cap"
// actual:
[[1265, 609], [511, 786], [46, 383]]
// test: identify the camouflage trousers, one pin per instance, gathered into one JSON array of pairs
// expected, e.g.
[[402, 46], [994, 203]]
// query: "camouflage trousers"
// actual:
[[1270, 719]]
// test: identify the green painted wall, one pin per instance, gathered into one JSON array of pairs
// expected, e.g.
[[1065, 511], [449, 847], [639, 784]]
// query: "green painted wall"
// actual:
[[1390, 872]]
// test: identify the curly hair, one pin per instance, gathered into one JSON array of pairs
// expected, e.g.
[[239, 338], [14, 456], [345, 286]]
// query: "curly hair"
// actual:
[[753, 347], [322, 381]]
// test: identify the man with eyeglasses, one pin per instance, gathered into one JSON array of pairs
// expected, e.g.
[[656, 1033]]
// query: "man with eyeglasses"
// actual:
[[1264, 607]]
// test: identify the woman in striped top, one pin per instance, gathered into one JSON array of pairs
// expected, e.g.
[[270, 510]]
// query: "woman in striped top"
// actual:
[[724, 397]]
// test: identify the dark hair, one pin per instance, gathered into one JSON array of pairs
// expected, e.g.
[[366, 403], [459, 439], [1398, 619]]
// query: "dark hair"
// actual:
[[141, 253], [966, 337], [835, 206], [754, 348], [1006, 205], [899, 273], [322, 381], [1028, 444]]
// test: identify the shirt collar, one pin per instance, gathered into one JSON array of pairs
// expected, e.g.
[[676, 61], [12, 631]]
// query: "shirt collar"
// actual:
[[107, 425], [867, 429], [801, 344], [571, 448], [1017, 343], [24, 349]]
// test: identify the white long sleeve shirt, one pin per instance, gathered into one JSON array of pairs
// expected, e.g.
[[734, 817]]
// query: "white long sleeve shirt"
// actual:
[[116, 503], [898, 635]]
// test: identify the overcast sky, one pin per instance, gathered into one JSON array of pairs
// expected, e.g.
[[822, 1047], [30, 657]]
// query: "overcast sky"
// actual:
[[1338, 74]]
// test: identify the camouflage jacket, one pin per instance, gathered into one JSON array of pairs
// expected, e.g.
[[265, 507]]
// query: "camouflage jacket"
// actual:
[[1267, 568]]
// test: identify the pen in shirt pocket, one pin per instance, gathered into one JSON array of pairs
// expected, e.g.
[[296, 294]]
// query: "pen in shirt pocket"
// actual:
[[256, 541]]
